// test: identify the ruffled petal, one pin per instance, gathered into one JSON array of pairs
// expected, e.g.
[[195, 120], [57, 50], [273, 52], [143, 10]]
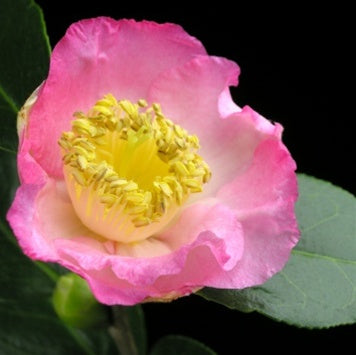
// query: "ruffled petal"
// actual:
[[214, 247], [96, 57], [21, 217], [236, 140], [196, 95], [263, 199], [30, 172], [167, 265], [192, 93], [42, 213], [269, 178]]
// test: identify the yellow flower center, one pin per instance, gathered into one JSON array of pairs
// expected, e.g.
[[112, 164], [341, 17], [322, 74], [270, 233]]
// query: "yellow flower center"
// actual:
[[128, 168]]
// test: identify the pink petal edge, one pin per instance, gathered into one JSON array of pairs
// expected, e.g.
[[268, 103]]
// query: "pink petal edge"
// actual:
[[263, 199]]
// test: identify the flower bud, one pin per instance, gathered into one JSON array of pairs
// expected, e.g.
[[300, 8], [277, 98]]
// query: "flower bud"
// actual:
[[75, 305]]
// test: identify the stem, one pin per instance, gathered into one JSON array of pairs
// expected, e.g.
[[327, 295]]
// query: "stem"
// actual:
[[121, 331]]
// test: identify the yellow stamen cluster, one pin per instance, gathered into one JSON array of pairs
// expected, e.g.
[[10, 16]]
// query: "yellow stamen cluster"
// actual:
[[132, 160]]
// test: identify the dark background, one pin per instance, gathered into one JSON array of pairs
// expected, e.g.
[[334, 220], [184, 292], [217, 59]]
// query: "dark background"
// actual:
[[294, 71]]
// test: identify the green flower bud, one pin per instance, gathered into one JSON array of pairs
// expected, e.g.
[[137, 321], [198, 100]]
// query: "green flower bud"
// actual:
[[75, 305]]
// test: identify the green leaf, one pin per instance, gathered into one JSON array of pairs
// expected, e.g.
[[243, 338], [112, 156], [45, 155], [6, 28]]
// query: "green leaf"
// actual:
[[326, 216], [28, 323], [180, 345], [8, 180], [129, 331], [317, 288], [24, 59]]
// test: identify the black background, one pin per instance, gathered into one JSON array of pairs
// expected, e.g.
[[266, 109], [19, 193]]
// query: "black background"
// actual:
[[294, 71]]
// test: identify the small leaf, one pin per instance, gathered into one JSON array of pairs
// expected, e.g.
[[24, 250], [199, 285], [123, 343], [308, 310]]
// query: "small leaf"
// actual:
[[180, 345], [24, 59], [317, 288]]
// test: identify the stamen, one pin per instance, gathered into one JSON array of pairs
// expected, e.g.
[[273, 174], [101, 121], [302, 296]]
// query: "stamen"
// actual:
[[128, 168]]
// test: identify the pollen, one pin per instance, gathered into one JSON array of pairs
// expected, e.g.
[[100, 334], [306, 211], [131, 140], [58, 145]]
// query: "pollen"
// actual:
[[129, 169]]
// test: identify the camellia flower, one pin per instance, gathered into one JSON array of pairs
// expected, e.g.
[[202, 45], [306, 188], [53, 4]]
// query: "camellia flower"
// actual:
[[139, 173]]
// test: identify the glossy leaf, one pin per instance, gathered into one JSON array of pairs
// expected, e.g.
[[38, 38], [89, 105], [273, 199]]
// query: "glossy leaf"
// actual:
[[317, 288], [24, 59]]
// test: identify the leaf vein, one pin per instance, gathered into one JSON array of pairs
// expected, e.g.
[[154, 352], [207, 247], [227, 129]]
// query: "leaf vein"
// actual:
[[321, 256], [352, 297], [305, 296], [9, 100], [324, 220]]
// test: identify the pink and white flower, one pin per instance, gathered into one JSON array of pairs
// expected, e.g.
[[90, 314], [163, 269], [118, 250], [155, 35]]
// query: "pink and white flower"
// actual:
[[236, 233]]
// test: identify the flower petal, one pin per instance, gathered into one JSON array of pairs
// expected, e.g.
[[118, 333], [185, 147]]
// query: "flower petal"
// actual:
[[42, 213], [196, 95], [190, 94], [21, 218], [238, 136], [99, 56], [55, 216], [212, 240], [263, 198], [270, 178], [214, 247], [30, 172]]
